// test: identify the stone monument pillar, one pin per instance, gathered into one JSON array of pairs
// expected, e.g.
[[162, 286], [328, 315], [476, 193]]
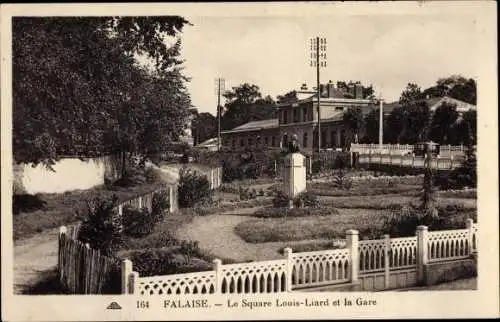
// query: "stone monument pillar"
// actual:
[[294, 180]]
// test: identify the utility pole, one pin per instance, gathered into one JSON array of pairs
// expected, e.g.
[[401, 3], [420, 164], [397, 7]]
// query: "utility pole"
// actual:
[[318, 59], [381, 124], [219, 87]]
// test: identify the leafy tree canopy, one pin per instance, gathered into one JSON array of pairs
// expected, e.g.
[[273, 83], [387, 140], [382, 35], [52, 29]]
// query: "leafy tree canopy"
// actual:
[[79, 89]]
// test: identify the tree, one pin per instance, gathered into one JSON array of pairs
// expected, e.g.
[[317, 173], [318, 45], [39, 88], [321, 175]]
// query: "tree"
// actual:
[[455, 86], [205, 127], [415, 114], [395, 124], [411, 95], [470, 119], [79, 90], [443, 120], [244, 104], [354, 120], [371, 122], [288, 97]]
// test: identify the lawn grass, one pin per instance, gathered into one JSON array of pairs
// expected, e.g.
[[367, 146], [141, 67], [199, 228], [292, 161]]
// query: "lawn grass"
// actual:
[[365, 191], [315, 227], [35, 213], [387, 201]]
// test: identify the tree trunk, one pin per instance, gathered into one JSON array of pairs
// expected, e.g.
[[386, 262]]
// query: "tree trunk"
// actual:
[[124, 169]]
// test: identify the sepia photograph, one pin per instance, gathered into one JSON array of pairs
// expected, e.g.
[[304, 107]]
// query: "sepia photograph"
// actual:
[[184, 156]]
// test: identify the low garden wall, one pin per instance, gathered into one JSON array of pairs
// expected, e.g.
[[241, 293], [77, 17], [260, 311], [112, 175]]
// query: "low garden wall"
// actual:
[[65, 176], [367, 264]]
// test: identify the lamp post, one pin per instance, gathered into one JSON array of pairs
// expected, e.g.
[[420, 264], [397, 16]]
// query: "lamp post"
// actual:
[[318, 59], [219, 87], [381, 124]]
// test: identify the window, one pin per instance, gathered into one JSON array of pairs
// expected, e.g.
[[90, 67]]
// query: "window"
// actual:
[[273, 141], [333, 138], [295, 115], [339, 108], [233, 143], [304, 114], [285, 140], [266, 141], [242, 142], [250, 142], [342, 138], [258, 140], [304, 140], [285, 117]]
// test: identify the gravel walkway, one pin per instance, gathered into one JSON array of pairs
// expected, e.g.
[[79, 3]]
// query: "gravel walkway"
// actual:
[[33, 257], [215, 233]]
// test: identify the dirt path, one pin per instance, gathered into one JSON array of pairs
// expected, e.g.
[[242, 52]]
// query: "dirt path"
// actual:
[[215, 233], [33, 257]]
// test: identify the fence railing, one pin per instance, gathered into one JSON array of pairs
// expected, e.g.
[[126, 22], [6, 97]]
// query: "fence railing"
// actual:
[[81, 270], [441, 163], [444, 150], [146, 200], [302, 270]]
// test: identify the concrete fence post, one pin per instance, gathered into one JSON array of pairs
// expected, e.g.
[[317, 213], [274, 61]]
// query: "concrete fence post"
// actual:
[[387, 253], [140, 202], [289, 268], [126, 276], [218, 275], [61, 255], [422, 252], [469, 224], [352, 243], [120, 210], [171, 198]]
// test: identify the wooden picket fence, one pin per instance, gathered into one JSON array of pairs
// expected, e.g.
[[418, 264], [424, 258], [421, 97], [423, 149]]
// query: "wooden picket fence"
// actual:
[[82, 270]]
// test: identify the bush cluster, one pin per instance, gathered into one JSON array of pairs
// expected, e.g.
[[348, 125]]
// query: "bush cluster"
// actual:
[[104, 229], [305, 199], [194, 188], [101, 226], [294, 212], [164, 261], [402, 220], [137, 222]]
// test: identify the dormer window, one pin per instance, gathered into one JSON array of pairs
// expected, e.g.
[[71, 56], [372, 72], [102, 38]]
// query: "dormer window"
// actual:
[[339, 108]]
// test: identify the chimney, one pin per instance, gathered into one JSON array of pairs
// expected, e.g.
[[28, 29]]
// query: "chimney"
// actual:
[[323, 90], [358, 91], [303, 87], [331, 89]]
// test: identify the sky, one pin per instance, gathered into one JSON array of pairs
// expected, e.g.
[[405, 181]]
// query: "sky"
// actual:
[[273, 52]]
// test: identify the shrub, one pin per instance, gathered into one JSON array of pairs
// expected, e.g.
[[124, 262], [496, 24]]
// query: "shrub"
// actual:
[[341, 180], [193, 188], [465, 175], [152, 175], [280, 199], [403, 220], [317, 166], [159, 205], [137, 222], [262, 193], [101, 227], [306, 199], [294, 212], [151, 262]]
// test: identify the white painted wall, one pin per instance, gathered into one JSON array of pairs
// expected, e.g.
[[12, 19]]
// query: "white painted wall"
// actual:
[[69, 174]]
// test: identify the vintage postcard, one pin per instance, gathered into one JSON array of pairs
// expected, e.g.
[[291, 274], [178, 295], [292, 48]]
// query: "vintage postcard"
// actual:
[[247, 161]]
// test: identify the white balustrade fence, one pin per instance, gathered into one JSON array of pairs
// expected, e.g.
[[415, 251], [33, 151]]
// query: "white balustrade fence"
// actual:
[[399, 149], [441, 163], [333, 267]]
